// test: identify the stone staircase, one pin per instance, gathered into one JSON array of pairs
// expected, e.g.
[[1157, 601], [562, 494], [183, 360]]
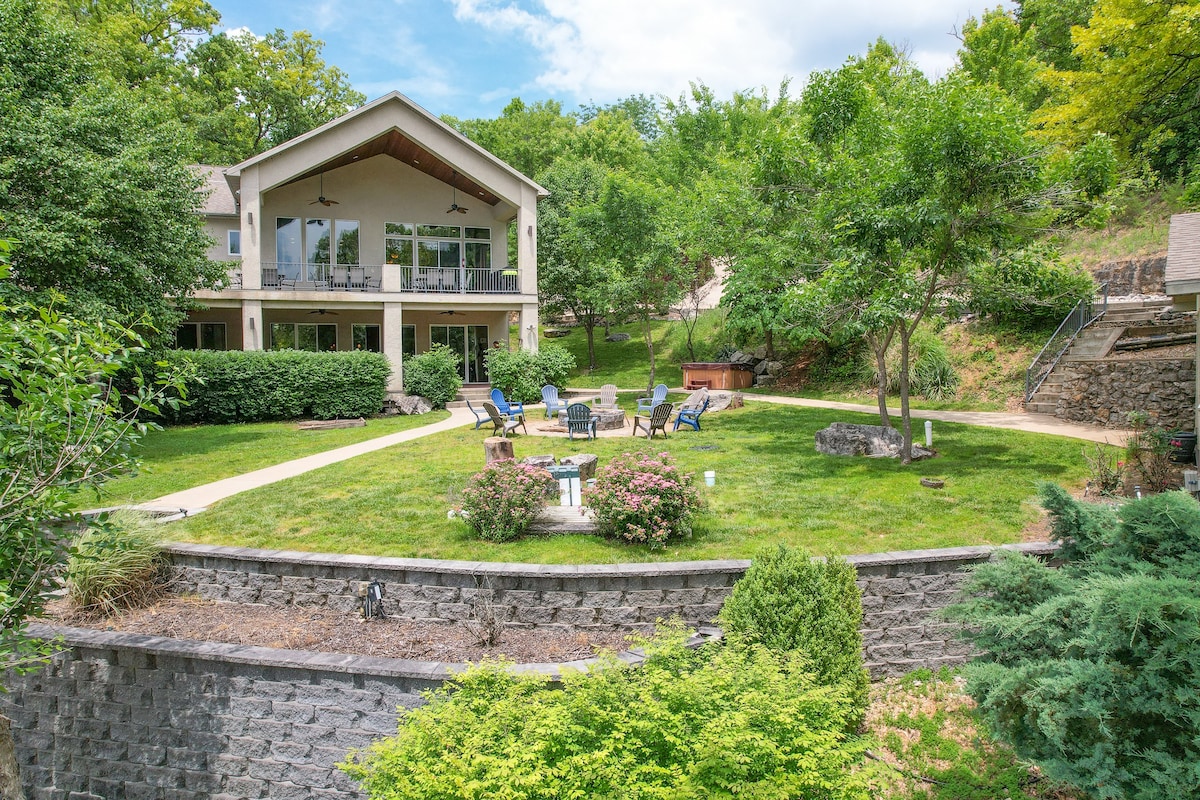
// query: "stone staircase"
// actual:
[[1094, 343], [476, 393]]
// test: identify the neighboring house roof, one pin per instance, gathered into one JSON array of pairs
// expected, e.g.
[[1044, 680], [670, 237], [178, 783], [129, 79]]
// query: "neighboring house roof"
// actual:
[[436, 149], [1183, 255], [218, 198]]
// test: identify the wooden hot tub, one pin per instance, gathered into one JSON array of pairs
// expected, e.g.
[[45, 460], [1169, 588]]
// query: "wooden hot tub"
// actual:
[[717, 375]]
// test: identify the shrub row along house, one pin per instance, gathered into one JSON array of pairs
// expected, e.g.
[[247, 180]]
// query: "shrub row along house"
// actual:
[[382, 230]]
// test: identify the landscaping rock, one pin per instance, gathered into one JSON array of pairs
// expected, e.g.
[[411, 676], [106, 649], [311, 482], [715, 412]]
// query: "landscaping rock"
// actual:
[[847, 439], [586, 463], [539, 461], [617, 337], [719, 401], [413, 404]]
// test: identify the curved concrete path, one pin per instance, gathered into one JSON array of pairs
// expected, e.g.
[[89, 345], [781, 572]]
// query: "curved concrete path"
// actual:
[[197, 499]]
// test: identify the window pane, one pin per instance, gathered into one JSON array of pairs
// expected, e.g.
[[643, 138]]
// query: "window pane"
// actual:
[[479, 233], [448, 254], [327, 338], [427, 254], [478, 254], [347, 241], [408, 340], [366, 337], [306, 337], [287, 241], [444, 231], [283, 336], [399, 251], [477, 345], [317, 238], [185, 337], [212, 335], [235, 243], [439, 334], [397, 229]]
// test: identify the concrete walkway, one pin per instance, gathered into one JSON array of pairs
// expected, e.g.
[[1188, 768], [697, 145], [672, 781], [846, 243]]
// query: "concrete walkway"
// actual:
[[1033, 423], [197, 499]]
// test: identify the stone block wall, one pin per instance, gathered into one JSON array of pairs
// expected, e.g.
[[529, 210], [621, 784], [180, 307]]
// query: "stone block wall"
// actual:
[[130, 716], [145, 718], [1104, 392], [1134, 275]]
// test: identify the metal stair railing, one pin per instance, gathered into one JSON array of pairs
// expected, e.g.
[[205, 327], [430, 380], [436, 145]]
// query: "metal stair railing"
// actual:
[[1082, 315]]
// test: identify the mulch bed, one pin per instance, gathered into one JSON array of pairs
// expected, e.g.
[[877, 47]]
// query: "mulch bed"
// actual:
[[328, 631]]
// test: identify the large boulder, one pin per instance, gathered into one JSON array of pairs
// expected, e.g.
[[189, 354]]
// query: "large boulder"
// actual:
[[413, 404], [586, 463], [876, 441], [539, 461]]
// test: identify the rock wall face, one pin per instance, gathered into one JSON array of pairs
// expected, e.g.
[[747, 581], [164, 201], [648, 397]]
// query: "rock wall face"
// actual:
[[1134, 275], [1104, 392]]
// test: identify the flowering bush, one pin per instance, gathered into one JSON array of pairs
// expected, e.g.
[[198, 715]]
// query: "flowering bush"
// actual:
[[502, 501], [644, 499]]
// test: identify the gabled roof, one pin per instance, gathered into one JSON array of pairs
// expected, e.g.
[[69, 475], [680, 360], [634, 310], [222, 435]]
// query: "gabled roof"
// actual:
[[218, 197], [439, 153], [1183, 255]]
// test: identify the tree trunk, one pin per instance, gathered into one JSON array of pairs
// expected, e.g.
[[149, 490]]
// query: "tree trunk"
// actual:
[[589, 327], [497, 448], [879, 348], [770, 342], [905, 416], [10, 773], [648, 333]]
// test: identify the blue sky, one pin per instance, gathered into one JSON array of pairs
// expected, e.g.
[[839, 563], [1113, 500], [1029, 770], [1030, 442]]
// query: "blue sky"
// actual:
[[468, 58]]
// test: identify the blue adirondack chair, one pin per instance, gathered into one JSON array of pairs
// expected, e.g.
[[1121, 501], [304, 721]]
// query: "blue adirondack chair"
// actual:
[[580, 420], [553, 404], [646, 404], [480, 416], [690, 416], [505, 407]]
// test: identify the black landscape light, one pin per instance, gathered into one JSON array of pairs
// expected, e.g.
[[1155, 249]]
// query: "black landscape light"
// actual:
[[370, 595]]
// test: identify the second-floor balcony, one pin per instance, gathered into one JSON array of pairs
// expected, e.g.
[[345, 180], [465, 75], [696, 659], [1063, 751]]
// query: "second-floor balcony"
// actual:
[[366, 278]]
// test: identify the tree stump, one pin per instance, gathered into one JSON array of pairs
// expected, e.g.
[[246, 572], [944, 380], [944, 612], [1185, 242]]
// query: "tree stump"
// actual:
[[497, 448]]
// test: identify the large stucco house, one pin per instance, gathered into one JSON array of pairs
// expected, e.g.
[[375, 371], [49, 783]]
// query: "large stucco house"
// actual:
[[382, 230]]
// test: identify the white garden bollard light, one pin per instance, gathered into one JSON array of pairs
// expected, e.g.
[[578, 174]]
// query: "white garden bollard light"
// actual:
[[928, 433], [710, 478]]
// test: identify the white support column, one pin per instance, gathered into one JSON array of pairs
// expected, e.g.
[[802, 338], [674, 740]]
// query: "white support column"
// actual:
[[393, 343], [527, 241], [252, 223], [253, 330], [529, 327]]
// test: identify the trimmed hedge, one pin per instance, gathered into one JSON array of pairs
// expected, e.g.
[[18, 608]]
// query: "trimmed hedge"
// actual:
[[227, 386]]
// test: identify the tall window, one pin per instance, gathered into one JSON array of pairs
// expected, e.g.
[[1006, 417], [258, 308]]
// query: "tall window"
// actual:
[[477, 249], [316, 241], [303, 336], [365, 337], [398, 243], [235, 243], [200, 336]]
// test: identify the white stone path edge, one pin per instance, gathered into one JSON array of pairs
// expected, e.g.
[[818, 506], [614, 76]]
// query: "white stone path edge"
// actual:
[[199, 498]]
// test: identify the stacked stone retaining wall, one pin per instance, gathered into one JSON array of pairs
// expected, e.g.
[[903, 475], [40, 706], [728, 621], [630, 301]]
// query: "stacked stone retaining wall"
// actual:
[[144, 717], [1128, 276], [1104, 392]]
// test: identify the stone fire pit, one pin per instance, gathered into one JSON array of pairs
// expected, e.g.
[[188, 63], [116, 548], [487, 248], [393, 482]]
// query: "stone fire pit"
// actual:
[[607, 419]]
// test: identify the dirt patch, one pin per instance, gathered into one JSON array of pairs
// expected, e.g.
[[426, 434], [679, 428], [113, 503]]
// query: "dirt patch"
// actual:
[[328, 631]]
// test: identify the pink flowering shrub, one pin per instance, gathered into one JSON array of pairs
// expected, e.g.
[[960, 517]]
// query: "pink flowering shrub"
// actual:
[[502, 501], [643, 498]]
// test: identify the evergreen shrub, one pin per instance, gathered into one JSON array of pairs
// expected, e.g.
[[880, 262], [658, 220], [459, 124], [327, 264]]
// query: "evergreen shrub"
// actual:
[[1092, 671], [644, 499], [789, 602], [521, 374], [502, 501], [228, 386], [1028, 289], [721, 722], [433, 375]]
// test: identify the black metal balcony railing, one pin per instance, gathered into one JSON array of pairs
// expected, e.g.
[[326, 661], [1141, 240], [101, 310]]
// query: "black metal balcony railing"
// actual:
[[435, 280]]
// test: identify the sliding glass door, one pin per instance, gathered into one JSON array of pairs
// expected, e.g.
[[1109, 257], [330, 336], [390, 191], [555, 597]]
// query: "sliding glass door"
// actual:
[[470, 342]]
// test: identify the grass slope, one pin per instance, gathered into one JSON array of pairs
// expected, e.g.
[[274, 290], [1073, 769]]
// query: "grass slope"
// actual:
[[772, 486]]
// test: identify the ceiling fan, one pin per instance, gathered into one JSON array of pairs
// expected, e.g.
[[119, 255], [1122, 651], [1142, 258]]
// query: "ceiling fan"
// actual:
[[321, 198], [323, 312], [454, 206], [451, 313]]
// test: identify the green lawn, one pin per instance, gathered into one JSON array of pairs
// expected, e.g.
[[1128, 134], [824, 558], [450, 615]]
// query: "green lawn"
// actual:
[[181, 457], [772, 486]]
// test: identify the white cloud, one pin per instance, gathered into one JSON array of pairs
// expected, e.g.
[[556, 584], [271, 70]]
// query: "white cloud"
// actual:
[[605, 49]]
